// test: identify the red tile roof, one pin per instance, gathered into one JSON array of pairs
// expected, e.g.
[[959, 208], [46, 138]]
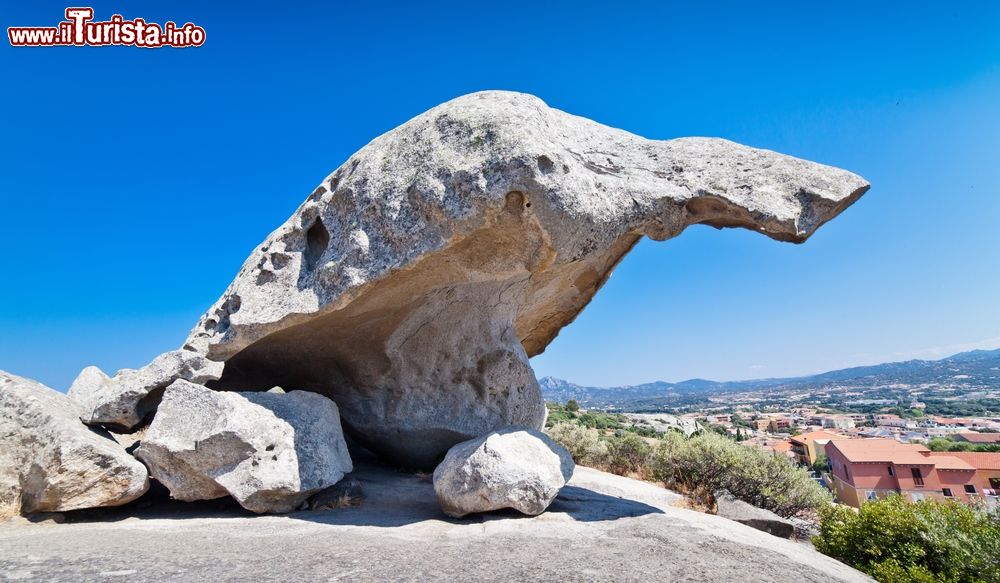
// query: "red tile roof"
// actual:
[[978, 460], [805, 438], [947, 460], [779, 446], [882, 450]]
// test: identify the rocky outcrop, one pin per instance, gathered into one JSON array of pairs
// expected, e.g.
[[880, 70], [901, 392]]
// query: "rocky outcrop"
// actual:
[[269, 451], [601, 527], [728, 506], [415, 282], [515, 468], [50, 462], [123, 401]]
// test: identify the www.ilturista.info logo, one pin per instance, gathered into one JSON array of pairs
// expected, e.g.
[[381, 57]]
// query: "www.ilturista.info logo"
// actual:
[[79, 29]]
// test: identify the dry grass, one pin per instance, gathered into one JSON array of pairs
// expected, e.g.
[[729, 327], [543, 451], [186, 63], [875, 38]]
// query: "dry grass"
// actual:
[[343, 501]]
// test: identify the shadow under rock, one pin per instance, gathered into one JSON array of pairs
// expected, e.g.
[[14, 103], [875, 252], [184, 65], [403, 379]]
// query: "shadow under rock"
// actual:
[[389, 498], [395, 498], [157, 504], [585, 505]]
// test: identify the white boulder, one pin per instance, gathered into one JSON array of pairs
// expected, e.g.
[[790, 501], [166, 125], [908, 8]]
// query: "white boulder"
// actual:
[[517, 468], [51, 462], [123, 401], [269, 451]]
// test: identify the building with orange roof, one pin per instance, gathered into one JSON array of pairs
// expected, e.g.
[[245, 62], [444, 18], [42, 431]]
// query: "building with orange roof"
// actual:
[[780, 447], [865, 469], [779, 424], [986, 483], [808, 447], [776, 446]]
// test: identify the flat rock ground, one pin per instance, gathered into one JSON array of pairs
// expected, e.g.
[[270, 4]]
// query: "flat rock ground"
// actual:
[[601, 528]]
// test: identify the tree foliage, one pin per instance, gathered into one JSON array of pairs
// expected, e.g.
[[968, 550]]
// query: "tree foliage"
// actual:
[[898, 541], [946, 444]]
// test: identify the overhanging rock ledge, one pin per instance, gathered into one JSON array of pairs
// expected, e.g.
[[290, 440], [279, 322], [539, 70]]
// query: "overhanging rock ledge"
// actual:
[[415, 282]]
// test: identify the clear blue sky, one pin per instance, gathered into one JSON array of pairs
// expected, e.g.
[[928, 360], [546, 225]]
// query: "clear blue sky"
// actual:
[[134, 182]]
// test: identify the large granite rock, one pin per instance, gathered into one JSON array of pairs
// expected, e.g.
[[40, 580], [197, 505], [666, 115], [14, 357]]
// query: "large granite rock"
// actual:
[[269, 451], [50, 462], [416, 280], [123, 401], [517, 468], [601, 527]]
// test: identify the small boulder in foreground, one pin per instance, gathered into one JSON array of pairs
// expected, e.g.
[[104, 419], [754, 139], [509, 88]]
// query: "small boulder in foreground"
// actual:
[[516, 467], [51, 462], [269, 451]]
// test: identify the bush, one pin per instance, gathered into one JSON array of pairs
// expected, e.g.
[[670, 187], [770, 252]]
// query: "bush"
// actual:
[[703, 464], [896, 541], [628, 454], [557, 414], [946, 444], [697, 466], [583, 443]]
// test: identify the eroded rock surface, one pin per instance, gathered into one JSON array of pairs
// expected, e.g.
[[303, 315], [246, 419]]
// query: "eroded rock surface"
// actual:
[[51, 462], [123, 401], [517, 468], [270, 451], [415, 282], [728, 506]]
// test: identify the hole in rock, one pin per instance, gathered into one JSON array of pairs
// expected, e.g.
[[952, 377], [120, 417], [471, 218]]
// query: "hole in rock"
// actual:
[[317, 238], [514, 202]]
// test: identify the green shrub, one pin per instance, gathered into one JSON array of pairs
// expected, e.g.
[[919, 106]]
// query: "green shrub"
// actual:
[[583, 443], [947, 444], [628, 454], [697, 466], [558, 414], [705, 463], [895, 540]]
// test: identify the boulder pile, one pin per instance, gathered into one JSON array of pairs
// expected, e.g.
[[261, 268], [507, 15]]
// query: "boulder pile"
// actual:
[[403, 299]]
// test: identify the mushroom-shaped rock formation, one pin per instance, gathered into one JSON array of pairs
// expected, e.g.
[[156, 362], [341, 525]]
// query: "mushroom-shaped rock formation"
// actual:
[[415, 282]]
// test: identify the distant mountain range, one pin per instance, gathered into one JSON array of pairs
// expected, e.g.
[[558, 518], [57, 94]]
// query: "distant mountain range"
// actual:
[[974, 369]]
